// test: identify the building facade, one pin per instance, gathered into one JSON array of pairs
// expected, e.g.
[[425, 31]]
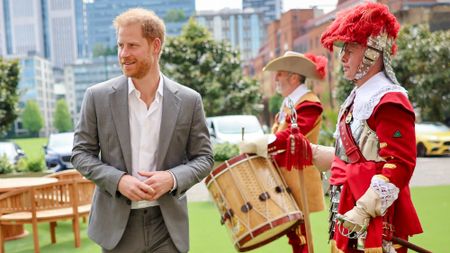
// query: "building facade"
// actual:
[[85, 73], [280, 38], [60, 31], [244, 30], [101, 13], [271, 9], [23, 25], [46, 28], [2, 31], [36, 83]]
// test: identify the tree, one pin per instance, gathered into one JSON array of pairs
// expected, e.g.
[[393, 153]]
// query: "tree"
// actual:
[[422, 66], [211, 68], [9, 81], [32, 118], [174, 16], [61, 118]]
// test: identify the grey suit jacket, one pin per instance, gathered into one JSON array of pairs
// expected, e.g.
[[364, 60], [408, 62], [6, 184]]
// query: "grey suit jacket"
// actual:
[[102, 153]]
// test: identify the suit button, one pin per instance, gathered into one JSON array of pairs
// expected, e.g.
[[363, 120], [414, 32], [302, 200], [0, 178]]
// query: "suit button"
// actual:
[[128, 202]]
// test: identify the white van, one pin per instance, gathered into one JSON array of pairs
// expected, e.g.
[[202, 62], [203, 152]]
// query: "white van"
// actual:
[[229, 128]]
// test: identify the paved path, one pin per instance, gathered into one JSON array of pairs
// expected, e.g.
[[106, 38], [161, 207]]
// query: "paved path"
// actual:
[[429, 171]]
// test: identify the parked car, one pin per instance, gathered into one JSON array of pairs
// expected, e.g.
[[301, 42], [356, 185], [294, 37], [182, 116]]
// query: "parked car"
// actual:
[[229, 128], [58, 151], [432, 138], [12, 151]]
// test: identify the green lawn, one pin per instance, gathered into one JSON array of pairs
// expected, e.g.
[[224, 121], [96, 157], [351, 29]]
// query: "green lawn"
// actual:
[[207, 235], [32, 146]]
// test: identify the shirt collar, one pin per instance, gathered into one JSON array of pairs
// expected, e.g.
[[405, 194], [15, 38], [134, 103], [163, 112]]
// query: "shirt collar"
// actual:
[[372, 85], [296, 94], [132, 88]]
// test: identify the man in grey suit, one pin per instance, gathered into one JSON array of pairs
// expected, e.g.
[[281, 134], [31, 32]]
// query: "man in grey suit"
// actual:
[[142, 139]]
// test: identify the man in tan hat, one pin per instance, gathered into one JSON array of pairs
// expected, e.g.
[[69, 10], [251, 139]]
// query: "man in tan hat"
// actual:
[[292, 69]]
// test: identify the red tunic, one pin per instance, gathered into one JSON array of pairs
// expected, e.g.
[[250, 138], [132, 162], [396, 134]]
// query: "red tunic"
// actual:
[[307, 115], [308, 121], [393, 121]]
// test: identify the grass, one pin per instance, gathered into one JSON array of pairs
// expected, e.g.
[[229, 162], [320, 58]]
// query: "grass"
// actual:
[[32, 147], [207, 235]]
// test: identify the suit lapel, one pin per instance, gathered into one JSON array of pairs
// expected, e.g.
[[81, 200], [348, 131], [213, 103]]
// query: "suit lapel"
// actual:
[[119, 107], [170, 110]]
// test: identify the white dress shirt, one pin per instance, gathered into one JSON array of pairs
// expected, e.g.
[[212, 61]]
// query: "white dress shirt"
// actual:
[[145, 124], [294, 96]]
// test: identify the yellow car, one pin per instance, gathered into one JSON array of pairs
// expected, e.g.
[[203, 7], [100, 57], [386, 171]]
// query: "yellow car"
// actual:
[[432, 138]]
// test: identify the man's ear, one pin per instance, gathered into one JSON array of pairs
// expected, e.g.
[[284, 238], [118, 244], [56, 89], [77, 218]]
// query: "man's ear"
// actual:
[[157, 46]]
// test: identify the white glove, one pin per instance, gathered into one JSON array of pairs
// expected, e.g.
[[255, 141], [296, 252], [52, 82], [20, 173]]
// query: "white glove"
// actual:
[[376, 200], [257, 146], [322, 156]]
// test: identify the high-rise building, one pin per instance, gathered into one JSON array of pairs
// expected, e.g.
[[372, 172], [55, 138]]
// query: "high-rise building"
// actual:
[[23, 24], [2, 31], [60, 31], [82, 30], [101, 13], [85, 73], [36, 83], [271, 9], [244, 30], [39, 27]]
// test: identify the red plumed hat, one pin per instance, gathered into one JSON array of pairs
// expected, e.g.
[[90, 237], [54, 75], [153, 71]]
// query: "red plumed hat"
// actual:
[[359, 23]]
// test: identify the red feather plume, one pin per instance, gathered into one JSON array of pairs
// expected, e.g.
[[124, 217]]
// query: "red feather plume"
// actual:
[[320, 62], [359, 23]]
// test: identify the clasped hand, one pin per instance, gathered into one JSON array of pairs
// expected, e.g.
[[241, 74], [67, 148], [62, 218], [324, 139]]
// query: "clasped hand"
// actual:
[[153, 187]]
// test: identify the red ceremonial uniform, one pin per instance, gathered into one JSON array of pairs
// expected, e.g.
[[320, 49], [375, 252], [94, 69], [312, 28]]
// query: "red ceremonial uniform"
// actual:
[[392, 120], [309, 111]]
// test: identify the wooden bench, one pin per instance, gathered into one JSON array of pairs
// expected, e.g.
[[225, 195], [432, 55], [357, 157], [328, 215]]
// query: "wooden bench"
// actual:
[[66, 199], [66, 175]]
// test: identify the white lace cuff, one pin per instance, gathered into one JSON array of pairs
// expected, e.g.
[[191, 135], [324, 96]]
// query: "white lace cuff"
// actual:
[[387, 192]]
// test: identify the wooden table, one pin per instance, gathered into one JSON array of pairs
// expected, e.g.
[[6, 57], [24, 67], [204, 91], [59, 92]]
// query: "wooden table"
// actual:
[[11, 232]]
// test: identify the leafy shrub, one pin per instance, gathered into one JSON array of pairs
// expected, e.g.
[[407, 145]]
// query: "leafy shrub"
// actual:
[[22, 165], [225, 151], [5, 166], [36, 165]]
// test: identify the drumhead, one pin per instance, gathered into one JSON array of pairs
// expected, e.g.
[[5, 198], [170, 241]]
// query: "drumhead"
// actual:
[[225, 165]]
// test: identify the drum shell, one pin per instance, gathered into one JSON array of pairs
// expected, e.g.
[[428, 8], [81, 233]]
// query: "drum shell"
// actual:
[[241, 180]]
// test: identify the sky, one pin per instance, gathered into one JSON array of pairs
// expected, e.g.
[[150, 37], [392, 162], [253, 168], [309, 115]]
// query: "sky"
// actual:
[[326, 5]]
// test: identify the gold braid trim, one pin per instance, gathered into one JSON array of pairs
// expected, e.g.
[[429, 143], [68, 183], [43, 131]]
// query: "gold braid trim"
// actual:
[[373, 250], [302, 238]]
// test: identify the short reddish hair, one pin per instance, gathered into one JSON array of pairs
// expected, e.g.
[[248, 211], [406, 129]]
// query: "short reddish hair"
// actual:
[[152, 26]]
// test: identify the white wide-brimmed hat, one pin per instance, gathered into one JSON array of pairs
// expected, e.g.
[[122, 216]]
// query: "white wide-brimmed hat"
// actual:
[[299, 63]]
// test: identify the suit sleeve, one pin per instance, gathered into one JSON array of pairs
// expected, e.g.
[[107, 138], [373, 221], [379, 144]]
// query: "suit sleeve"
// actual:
[[198, 151], [394, 125], [86, 149]]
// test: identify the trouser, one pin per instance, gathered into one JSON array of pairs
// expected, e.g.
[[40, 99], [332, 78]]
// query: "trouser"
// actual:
[[145, 233]]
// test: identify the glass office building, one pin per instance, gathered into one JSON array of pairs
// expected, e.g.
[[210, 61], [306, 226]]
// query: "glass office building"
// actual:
[[101, 13]]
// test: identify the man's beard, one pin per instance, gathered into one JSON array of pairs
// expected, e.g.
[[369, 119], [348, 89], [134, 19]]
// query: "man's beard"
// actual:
[[142, 68]]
